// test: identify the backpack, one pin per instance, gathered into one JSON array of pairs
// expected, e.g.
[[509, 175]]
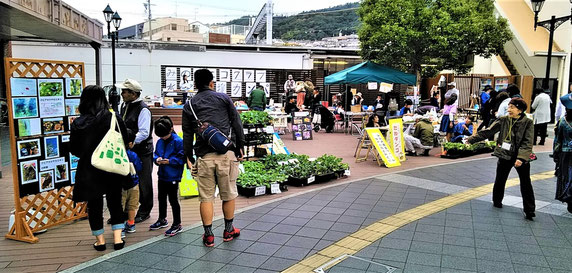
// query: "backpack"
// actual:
[[392, 105]]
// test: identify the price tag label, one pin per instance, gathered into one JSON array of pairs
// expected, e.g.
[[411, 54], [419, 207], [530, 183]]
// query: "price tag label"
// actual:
[[282, 163], [312, 159], [241, 168], [311, 179], [347, 172], [293, 160], [260, 191], [245, 131], [269, 129], [275, 188]]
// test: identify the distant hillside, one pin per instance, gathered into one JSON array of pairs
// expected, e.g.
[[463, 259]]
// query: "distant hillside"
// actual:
[[313, 25]]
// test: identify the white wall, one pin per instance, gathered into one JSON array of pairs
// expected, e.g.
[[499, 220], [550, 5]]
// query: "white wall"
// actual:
[[145, 67], [488, 66]]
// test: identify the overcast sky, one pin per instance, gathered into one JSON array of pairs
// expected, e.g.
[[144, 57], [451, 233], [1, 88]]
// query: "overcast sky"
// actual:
[[214, 11]]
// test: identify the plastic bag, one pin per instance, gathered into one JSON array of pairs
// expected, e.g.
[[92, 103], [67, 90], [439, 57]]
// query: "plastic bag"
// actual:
[[188, 185]]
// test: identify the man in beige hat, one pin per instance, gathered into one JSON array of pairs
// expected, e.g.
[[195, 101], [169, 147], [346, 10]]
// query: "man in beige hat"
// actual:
[[138, 121]]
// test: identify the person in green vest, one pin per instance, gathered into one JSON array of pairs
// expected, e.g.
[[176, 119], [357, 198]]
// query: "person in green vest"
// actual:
[[257, 99]]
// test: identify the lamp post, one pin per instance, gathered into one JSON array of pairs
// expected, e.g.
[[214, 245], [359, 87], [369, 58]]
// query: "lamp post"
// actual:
[[114, 17], [551, 25]]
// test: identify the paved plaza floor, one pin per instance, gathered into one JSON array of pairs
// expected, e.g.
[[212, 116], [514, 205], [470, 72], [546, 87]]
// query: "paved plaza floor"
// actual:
[[434, 219]]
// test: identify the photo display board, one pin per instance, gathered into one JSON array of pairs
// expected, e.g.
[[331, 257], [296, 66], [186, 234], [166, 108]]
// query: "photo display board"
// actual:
[[302, 126], [43, 110]]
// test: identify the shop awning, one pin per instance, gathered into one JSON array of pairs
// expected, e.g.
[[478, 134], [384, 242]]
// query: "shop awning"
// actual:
[[370, 72], [43, 20]]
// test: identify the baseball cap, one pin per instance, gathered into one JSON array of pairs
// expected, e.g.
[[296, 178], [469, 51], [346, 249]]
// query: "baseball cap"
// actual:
[[566, 101], [130, 84]]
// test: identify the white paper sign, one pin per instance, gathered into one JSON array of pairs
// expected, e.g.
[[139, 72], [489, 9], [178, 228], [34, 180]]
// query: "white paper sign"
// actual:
[[237, 75], [170, 73], [213, 70], [275, 188], [52, 107], [269, 130], [347, 172], [170, 85], [266, 86], [221, 87], [372, 85], [249, 87], [260, 191], [186, 71], [224, 75], [311, 179], [236, 89], [241, 168], [249, 75], [261, 75], [385, 87], [51, 163]]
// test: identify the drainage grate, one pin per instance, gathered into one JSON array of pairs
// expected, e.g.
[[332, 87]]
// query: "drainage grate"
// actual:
[[338, 265]]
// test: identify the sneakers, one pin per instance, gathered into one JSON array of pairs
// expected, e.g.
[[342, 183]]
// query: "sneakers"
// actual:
[[139, 219], [129, 228], [174, 230], [161, 223], [229, 236], [208, 241]]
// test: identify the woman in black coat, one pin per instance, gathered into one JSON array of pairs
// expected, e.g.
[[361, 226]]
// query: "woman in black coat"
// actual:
[[87, 131]]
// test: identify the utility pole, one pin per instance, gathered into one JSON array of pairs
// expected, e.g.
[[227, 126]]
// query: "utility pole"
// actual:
[[148, 11]]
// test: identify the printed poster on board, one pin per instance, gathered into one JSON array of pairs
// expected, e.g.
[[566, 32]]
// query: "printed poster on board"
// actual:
[[51, 100], [397, 139], [387, 155]]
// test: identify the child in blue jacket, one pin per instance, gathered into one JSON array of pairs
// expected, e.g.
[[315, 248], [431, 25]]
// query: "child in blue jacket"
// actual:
[[169, 156]]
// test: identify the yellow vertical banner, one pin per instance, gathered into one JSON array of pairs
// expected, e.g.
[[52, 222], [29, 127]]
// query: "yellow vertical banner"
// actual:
[[387, 155], [396, 137]]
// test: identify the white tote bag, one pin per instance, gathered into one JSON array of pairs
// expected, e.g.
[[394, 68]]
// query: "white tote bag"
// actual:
[[110, 154]]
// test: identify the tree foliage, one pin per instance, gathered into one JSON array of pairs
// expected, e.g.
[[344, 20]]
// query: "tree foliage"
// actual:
[[407, 34], [313, 25]]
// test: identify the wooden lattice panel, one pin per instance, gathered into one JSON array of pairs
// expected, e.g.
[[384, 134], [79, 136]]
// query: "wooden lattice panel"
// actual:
[[43, 69], [47, 209]]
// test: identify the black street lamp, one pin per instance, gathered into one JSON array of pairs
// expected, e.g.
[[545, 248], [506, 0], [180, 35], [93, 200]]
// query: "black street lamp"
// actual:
[[551, 25], [114, 17]]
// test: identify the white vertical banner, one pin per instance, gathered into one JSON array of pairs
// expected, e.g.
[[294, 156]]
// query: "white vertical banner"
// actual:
[[236, 89], [237, 75], [186, 71], [171, 85], [266, 86], [221, 87], [213, 70], [249, 75], [260, 75], [224, 75], [249, 87], [170, 73]]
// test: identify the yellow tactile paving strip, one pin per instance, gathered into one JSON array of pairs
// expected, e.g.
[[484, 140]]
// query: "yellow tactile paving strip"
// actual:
[[366, 236]]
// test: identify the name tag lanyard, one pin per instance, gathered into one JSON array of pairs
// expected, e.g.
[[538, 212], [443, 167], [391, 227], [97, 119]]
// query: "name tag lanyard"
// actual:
[[509, 136]]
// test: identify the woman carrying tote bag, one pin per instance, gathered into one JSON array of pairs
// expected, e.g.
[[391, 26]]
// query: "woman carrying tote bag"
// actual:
[[87, 131]]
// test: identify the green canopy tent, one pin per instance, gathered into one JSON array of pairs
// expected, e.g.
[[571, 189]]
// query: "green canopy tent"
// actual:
[[370, 72]]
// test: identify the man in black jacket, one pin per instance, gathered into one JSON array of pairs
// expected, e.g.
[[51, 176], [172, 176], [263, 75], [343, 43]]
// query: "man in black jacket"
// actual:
[[211, 168], [138, 121]]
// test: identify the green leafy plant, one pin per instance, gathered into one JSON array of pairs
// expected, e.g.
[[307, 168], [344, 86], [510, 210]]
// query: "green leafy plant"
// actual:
[[255, 117]]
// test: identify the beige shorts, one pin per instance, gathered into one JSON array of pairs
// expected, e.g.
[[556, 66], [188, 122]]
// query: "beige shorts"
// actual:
[[130, 198], [217, 169]]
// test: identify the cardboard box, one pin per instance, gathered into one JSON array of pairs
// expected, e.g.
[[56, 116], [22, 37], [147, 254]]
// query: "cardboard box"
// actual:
[[356, 108]]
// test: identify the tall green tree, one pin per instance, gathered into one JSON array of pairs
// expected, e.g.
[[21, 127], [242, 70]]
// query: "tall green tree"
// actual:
[[411, 34]]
